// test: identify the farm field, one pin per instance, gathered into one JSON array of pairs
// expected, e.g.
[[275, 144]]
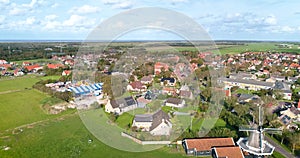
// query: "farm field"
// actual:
[[232, 49]]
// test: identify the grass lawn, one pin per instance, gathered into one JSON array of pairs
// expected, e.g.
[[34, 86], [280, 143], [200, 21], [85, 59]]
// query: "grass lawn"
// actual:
[[50, 77], [242, 91], [69, 138], [220, 123], [125, 119], [277, 155], [21, 83]]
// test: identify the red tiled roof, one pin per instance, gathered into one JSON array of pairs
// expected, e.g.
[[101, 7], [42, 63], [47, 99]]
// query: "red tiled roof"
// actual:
[[5, 65], [229, 152], [54, 66], [31, 67], [206, 144]]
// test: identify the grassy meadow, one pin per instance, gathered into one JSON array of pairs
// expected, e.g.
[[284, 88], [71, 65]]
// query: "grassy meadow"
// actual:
[[68, 137]]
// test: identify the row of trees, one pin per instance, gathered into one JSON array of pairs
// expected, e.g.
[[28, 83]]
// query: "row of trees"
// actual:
[[66, 96]]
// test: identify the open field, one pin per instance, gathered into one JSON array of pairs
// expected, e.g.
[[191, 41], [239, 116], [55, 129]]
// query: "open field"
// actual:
[[69, 138], [22, 107], [230, 49], [21, 104], [18, 83]]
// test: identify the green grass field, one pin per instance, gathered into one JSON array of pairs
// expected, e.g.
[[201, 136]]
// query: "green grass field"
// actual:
[[21, 104], [69, 138], [22, 107], [18, 83]]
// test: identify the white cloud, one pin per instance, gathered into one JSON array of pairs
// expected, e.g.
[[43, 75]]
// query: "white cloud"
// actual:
[[119, 4], [54, 5], [78, 21], [2, 18], [174, 2], [21, 9], [51, 17], [4, 1], [270, 20], [287, 29], [26, 24], [17, 11], [85, 9]]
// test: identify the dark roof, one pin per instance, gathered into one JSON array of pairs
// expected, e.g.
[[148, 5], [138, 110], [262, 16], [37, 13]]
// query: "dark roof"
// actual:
[[123, 102], [158, 117], [185, 93], [174, 101], [172, 80], [282, 86], [143, 118]]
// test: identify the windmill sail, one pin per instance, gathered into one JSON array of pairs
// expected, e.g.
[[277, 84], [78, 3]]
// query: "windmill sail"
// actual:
[[255, 143]]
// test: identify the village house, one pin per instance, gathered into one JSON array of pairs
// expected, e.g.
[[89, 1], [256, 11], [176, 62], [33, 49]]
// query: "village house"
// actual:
[[203, 146], [159, 66], [18, 72], [147, 79], [137, 86], [66, 73], [55, 66], [168, 81], [5, 66], [121, 105], [284, 89], [292, 112], [3, 61], [169, 91], [33, 68], [185, 94], [157, 124], [175, 102]]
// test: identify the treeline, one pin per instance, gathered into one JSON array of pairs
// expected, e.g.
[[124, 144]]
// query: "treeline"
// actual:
[[66, 96]]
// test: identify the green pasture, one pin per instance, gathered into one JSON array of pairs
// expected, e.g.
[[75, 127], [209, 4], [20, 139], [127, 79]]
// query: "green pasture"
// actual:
[[68, 137]]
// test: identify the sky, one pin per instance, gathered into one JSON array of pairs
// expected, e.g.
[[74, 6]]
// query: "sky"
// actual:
[[223, 19]]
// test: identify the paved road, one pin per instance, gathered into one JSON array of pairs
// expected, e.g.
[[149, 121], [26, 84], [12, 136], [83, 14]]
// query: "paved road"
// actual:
[[279, 149]]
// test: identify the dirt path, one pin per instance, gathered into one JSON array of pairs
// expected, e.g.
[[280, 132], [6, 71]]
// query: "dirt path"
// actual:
[[10, 91]]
